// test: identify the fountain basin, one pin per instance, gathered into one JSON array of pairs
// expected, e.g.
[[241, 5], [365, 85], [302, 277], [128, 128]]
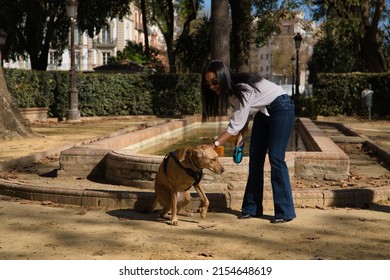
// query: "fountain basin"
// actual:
[[117, 161]]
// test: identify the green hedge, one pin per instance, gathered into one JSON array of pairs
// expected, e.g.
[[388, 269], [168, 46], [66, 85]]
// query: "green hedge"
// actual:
[[178, 94], [340, 94], [30, 88], [107, 94], [174, 94]]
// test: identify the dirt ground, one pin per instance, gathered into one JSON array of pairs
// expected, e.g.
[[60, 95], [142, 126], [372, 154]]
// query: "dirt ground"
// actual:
[[46, 231], [43, 232]]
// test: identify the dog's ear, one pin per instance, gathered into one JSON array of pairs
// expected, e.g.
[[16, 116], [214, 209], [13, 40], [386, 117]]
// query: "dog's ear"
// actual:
[[196, 152], [203, 146]]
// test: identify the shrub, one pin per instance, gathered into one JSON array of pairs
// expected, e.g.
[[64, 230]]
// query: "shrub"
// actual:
[[340, 94], [107, 94]]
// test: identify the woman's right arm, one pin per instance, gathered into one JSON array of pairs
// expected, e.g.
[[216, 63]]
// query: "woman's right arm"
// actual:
[[241, 134]]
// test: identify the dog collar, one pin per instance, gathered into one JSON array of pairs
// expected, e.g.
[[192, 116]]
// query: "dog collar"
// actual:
[[197, 175]]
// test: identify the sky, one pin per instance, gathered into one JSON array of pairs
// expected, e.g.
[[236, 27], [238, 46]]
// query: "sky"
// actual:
[[207, 5]]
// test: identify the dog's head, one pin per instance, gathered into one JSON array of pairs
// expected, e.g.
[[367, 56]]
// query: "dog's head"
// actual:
[[204, 156]]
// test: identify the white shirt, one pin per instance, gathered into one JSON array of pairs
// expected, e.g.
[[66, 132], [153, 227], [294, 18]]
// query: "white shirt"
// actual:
[[253, 101]]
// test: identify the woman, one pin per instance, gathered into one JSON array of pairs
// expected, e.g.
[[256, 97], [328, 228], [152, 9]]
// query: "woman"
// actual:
[[250, 94]]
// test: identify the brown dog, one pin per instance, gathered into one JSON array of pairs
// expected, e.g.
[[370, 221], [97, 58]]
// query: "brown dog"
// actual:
[[180, 170]]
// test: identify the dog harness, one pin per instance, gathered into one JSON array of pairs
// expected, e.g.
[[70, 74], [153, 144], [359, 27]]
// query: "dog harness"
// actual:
[[194, 174]]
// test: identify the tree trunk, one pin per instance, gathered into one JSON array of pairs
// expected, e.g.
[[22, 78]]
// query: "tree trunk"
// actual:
[[171, 54], [12, 124], [40, 63], [370, 48], [145, 27], [220, 48], [168, 34], [193, 7], [372, 54], [241, 34]]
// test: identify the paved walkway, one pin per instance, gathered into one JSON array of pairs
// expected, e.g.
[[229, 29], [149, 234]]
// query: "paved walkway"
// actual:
[[376, 130]]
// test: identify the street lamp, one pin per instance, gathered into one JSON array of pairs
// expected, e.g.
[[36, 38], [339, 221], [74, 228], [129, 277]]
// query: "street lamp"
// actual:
[[298, 41], [73, 113], [3, 37], [292, 77]]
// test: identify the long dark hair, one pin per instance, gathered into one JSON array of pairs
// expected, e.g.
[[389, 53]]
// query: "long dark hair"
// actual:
[[229, 84]]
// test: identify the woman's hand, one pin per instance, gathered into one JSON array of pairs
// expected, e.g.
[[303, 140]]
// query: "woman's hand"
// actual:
[[239, 140], [240, 135]]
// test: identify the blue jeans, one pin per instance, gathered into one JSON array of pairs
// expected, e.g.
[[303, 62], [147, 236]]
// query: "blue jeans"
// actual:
[[270, 133]]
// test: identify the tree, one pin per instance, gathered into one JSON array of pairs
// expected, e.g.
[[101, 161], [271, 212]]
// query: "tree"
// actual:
[[268, 15], [334, 53], [12, 124], [356, 24], [386, 41], [145, 6], [136, 53], [253, 22], [163, 15], [32, 28], [166, 13], [220, 31], [193, 50], [370, 42], [145, 27], [35, 26], [241, 34], [189, 50]]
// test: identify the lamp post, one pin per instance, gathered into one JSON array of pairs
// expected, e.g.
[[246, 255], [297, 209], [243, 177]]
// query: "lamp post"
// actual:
[[292, 77], [73, 113], [3, 37], [297, 40]]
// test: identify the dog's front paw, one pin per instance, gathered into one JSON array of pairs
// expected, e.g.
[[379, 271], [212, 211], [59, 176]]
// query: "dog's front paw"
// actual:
[[203, 212], [174, 223]]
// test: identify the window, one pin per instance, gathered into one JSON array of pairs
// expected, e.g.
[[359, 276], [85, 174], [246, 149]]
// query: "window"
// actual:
[[106, 57], [52, 58], [106, 36], [76, 36], [136, 20], [127, 32]]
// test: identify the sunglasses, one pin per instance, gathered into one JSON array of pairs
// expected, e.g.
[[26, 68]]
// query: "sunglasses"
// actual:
[[213, 82]]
